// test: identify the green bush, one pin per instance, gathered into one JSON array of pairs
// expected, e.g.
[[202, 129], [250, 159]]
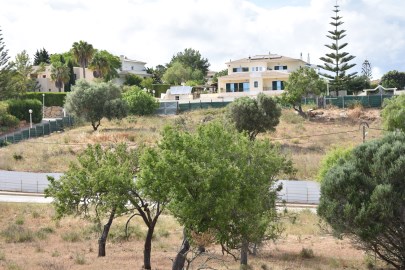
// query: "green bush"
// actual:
[[6, 119], [19, 108], [51, 99], [160, 88], [140, 102]]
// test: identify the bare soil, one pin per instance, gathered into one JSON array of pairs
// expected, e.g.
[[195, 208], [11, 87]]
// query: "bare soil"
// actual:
[[72, 244]]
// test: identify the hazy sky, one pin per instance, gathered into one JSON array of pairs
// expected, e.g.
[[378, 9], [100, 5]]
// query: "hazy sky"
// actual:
[[154, 30]]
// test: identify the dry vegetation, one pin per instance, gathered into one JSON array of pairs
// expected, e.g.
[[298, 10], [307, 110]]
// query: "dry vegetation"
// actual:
[[301, 139], [31, 239]]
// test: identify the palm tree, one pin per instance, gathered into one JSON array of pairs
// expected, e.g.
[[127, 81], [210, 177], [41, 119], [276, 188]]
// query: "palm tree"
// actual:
[[83, 53], [99, 64], [60, 74]]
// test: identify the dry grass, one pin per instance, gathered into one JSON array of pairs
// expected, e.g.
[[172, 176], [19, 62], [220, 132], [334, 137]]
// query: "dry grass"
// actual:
[[55, 252], [301, 139]]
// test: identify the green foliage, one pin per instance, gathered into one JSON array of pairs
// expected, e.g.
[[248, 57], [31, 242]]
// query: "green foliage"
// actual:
[[105, 65], [83, 53], [157, 73], [333, 158], [6, 90], [93, 101], [140, 102], [307, 253], [217, 180], [393, 79], [336, 61], [102, 178], [7, 119], [302, 83], [393, 113], [60, 74], [132, 79], [221, 73], [254, 115], [41, 56], [160, 89], [147, 83], [363, 197], [192, 59], [21, 80], [358, 83], [177, 74], [20, 109], [51, 99]]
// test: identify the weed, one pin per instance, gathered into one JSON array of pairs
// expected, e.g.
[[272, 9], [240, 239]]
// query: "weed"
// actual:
[[291, 117], [43, 233], [71, 236], [35, 214], [19, 220], [17, 234], [2, 256], [17, 157], [161, 232], [55, 253], [80, 259], [307, 253], [52, 266], [370, 262], [264, 267], [13, 266], [38, 247]]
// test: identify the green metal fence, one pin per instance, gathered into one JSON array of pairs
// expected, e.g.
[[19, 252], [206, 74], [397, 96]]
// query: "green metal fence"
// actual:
[[367, 101], [39, 130], [202, 105]]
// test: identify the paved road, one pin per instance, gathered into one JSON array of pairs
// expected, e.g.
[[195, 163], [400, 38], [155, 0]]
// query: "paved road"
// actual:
[[304, 192], [23, 197]]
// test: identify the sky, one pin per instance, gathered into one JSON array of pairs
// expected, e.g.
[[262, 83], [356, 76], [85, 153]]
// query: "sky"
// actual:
[[221, 30]]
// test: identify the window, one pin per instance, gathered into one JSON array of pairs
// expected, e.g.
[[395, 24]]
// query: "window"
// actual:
[[177, 97], [241, 69], [256, 84], [44, 76], [278, 85], [280, 67], [245, 69], [237, 87]]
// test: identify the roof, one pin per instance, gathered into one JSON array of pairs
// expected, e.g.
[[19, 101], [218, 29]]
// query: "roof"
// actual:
[[264, 57], [124, 58], [180, 90]]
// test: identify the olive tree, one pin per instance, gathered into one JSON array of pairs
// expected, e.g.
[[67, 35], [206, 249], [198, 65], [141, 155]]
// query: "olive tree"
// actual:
[[93, 101], [254, 115], [302, 83], [363, 197], [219, 181], [393, 113], [100, 185], [140, 102], [96, 187]]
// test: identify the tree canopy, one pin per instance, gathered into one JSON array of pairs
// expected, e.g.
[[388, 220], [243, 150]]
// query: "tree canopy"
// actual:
[[93, 101], [192, 59], [96, 187], [6, 91], [394, 79], [60, 74], [41, 56], [83, 53], [105, 65], [218, 181], [22, 82], [337, 61], [140, 102], [178, 73], [363, 197], [302, 83], [254, 115]]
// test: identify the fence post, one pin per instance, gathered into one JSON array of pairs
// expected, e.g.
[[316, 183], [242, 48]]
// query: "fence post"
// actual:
[[343, 101], [50, 129], [381, 100], [189, 105], [200, 104], [286, 193]]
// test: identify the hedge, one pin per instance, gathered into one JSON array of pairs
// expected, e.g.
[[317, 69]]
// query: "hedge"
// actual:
[[160, 88], [51, 99], [20, 109]]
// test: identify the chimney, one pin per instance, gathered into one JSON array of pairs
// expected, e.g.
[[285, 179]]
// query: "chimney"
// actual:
[[308, 59]]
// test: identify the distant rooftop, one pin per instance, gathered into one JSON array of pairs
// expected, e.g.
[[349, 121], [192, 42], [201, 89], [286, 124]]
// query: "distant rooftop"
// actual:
[[261, 57], [124, 58]]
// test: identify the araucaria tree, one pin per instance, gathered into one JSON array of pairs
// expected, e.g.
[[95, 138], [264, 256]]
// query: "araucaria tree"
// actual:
[[337, 61], [363, 197], [93, 101], [220, 182], [5, 71], [41, 56], [254, 115], [83, 53]]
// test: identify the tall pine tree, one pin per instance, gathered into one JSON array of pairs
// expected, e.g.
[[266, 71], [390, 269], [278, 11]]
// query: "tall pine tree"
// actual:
[[336, 61], [41, 56], [5, 72]]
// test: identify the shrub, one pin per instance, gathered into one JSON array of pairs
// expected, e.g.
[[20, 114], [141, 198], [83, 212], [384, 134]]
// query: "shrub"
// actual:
[[51, 99], [363, 197], [19, 108], [307, 253], [17, 234], [140, 102], [393, 113], [160, 89], [6, 119], [332, 158]]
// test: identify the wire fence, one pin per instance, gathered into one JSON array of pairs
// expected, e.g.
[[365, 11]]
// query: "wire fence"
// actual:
[[304, 192], [38, 130]]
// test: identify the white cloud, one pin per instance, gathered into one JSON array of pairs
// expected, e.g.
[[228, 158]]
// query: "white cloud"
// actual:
[[154, 30]]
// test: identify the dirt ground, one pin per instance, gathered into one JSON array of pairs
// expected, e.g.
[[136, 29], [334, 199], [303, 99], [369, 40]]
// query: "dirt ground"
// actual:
[[71, 243]]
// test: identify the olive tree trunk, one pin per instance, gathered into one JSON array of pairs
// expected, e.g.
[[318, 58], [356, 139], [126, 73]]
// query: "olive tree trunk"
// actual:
[[180, 260], [103, 238]]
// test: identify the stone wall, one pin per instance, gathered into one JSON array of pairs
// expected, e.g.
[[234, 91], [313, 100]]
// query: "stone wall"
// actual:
[[53, 112]]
